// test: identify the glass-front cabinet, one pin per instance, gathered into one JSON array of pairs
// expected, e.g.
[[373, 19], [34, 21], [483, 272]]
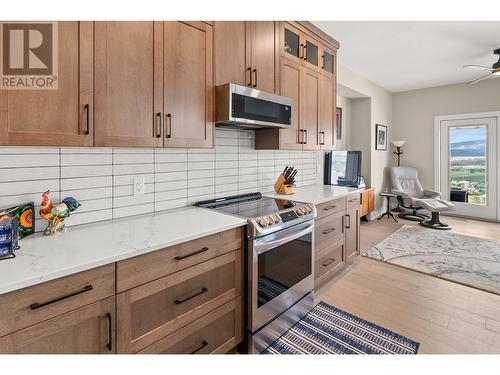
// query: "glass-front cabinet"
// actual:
[[296, 44], [328, 61]]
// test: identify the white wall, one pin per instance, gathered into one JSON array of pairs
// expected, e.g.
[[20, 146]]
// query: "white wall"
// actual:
[[380, 113], [413, 118], [345, 104]]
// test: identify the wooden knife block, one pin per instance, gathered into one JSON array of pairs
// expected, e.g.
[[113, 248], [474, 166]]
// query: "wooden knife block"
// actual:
[[281, 188]]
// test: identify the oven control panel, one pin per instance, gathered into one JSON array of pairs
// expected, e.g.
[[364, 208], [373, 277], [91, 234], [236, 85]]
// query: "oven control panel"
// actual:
[[286, 216]]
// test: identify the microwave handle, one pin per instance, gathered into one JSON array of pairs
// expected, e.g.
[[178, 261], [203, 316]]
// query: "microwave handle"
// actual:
[[261, 247]]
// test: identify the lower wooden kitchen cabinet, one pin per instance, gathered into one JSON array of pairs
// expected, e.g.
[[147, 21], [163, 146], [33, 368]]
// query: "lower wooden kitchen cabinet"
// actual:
[[336, 237], [182, 299], [88, 330], [151, 312]]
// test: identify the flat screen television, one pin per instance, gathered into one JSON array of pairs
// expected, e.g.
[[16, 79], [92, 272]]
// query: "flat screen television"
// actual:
[[343, 168]]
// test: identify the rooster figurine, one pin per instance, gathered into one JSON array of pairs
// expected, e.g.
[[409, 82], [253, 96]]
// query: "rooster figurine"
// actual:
[[46, 207], [56, 215]]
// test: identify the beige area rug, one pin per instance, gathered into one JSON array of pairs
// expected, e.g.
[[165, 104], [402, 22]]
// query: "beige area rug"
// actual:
[[463, 259]]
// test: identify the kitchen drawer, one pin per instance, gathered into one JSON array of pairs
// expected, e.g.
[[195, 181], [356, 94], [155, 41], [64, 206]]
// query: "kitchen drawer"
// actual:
[[330, 207], [328, 230], [28, 306], [142, 269], [328, 262], [217, 332], [87, 330], [153, 311], [353, 200]]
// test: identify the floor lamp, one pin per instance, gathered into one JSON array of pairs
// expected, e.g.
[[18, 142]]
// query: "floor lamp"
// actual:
[[399, 151]]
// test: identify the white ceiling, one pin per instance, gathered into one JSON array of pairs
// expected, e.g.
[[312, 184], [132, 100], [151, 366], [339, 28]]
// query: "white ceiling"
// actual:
[[401, 56]]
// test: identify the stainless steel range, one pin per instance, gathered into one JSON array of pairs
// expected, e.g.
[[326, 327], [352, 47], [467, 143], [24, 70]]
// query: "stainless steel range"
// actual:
[[280, 259]]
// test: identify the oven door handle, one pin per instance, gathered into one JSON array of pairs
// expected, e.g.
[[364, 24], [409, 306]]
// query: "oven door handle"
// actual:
[[288, 235]]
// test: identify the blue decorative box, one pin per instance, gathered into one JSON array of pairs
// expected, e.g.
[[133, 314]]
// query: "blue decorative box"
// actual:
[[9, 237]]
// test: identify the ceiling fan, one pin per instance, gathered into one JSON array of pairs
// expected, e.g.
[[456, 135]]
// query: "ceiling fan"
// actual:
[[494, 70]]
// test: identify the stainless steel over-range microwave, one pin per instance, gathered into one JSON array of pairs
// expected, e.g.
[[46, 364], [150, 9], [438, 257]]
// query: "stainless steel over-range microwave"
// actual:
[[246, 107]]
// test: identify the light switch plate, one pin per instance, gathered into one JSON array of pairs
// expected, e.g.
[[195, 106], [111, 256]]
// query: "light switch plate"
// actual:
[[139, 186]]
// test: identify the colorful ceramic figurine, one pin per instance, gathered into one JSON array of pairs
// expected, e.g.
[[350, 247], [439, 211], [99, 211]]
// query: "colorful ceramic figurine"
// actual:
[[56, 215]]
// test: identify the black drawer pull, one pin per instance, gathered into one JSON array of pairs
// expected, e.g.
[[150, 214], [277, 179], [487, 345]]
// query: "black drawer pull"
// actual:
[[37, 305], [352, 200], [203, 344], [328, 262], [191, 296], [87, 119], [181, 257], [329, 208], [329, 231], [109, 345]]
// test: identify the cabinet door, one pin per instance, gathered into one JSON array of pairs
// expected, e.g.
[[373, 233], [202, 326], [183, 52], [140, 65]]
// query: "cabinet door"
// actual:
[[328, 64], [310, 109], [61, 117], [352, 223], [229, 53], [262, 54], [327, 109], [188, 88], [128, 84], [291, 42], [291, 86], [89, 330]]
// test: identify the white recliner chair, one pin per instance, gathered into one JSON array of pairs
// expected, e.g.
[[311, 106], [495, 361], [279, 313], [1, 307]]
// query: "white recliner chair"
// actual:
[[412, 195]]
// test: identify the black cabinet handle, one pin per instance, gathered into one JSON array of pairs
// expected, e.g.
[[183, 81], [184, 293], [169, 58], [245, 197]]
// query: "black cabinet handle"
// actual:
[[37, 305], [249, 69], [203, 344], [255, 75], [109, 345], [191, 296], [328, 262], [329, 208], [86, 107], [305, 52], [323, 57], [329, 231], [169, 128], [305, 133], [349, 217], [181, 257], [158, 125]]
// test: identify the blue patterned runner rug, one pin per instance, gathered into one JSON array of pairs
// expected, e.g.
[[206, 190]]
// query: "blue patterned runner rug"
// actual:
[[328, 330]]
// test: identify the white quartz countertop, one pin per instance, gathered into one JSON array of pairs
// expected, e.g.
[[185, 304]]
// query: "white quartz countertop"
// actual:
[[316, 194], [43, 258]]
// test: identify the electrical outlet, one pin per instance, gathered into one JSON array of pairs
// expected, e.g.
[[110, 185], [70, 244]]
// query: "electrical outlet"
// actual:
[[139, 187]]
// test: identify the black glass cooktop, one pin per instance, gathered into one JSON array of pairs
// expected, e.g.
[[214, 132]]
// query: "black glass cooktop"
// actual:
[[248, 206]]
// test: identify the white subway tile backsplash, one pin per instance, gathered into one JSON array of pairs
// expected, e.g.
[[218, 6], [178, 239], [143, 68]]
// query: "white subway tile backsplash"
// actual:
[[102, 178]]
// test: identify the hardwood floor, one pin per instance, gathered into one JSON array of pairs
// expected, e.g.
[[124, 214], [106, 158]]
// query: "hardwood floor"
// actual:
[[443, 316]]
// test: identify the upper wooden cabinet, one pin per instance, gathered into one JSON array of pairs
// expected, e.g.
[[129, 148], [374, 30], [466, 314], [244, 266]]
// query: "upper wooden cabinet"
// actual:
[[230, 53], [245, 53], [153, 84], [327, 109], [128, 84], [60, 117], [296, 43], [188, 85]]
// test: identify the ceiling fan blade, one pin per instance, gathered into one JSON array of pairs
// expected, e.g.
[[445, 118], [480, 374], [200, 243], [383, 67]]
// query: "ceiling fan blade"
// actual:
[[480, 79], [479, 67]]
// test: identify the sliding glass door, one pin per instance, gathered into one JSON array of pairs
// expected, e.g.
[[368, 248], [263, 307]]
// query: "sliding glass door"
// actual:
[[468, 165]]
